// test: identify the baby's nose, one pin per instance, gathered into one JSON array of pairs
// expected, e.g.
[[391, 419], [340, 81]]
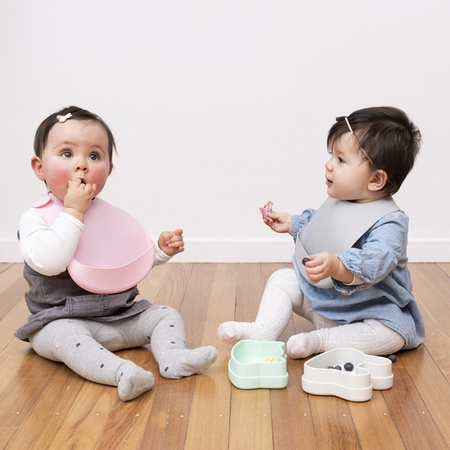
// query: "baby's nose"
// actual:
[[80, 164]]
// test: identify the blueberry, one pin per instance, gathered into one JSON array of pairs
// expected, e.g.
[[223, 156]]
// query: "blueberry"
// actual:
[[338, 367], [330, 367], [393, 358], [305, 260], [348, 366]]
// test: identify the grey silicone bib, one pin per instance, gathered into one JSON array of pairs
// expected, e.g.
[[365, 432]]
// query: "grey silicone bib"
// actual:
[[336, 226]]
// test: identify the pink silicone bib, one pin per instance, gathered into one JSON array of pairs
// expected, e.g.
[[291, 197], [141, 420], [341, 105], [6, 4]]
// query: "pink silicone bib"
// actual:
[[114, 252]]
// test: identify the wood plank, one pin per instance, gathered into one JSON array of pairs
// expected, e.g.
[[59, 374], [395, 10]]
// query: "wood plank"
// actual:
[[445, 267], [13, 358], [431, 384], [374, 425], [411, 414], [291, 413], [175, 396], [32, 375], [250, 421], [194, 312], [174, 285], [178, 411], [150, 287], [5, 266], [431, 285], [48, 413], [292, 420], [437, 341], [210, 413], [249, 292], [11, 322], [155, 431], [435, 311], [12, 288], [126, 423], [170, 293], [195, 302], [86, 418], [333, 423]]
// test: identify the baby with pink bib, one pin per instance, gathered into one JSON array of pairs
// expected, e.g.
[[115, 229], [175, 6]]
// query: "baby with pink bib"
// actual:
[[83, 259]]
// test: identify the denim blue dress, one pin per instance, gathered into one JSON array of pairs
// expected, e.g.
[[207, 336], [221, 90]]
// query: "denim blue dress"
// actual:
[[379, 259]]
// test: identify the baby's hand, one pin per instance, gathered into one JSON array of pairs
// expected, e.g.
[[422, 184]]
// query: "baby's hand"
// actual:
[[171, 242], [78, 198], [278, 222], [321, 266]]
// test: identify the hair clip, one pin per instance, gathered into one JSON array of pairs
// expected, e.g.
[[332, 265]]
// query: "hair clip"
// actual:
[[62, 119], [338, 119]]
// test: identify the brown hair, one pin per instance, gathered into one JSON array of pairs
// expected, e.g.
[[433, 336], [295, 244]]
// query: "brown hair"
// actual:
[[41, 136], [387, 136]]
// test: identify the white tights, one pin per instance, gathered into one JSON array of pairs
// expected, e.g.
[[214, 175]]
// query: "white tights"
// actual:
[[283, 295]]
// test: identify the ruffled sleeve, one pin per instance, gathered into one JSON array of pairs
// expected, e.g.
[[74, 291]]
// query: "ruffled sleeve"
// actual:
[[381, 249]]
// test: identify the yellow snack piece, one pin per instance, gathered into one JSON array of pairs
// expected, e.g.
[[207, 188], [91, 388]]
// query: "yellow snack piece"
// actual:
[[270, 359]]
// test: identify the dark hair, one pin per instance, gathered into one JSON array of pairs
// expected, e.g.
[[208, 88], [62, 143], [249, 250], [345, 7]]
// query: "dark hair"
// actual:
[[41, 136], [390, 140]]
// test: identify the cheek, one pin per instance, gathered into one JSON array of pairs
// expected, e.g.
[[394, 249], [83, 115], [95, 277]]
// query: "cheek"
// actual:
[[56, 180], [99, 175], [57, 176]]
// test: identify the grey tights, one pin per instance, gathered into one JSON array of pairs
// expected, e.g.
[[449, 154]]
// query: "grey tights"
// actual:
[[87, 348]]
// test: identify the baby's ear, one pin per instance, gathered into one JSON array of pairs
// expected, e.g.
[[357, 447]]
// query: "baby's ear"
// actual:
[[36, 165], [378, 180]]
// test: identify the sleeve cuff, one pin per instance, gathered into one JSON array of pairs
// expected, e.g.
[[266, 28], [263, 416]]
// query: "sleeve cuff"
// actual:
[[160, 256]]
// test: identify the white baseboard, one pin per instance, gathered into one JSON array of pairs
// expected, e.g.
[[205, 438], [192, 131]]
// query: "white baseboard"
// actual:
[[244, 250], [429, 250], [281, 250]]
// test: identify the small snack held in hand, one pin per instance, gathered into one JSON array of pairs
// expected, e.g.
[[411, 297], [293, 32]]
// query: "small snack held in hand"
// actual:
[[266, 210]]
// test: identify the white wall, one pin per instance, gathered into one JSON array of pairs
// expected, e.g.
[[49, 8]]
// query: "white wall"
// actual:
[[219, 106]]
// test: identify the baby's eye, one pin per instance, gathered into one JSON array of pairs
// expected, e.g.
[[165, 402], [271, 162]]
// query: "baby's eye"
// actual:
[[340, 160], [66, 154], [94, 157]]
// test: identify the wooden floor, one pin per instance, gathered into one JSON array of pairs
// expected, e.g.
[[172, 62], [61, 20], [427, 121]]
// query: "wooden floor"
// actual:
[[43, 405]]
